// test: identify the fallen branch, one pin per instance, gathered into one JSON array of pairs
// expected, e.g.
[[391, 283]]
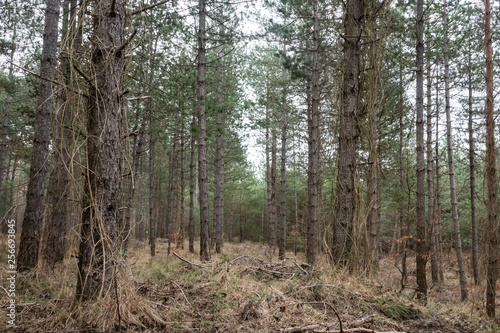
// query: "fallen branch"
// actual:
[[319, 328], [189, 262], [362, 321]]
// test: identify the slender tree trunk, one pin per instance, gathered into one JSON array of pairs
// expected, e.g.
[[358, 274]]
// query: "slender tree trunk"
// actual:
[[173, 195], [99, 244], [274, 208], [219, 180], [35, 196], [401, 177], [431, 225], [202, 132], [295, 198], [282, 234], [192, 187], [421, 246], [472, 172], [180, 238], [152, 226], [451, 166], [313, 146], [492, 261], [345, 205], [437, 210], [231, 216], [268, 176], [5, 125]]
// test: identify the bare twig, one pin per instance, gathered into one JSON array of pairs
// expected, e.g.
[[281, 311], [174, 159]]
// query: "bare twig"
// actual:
[[182, 291], [189, 262], [149, 7]]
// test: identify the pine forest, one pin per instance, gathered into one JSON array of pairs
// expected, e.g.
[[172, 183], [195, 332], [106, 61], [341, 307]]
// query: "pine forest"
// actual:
[[249, 166]]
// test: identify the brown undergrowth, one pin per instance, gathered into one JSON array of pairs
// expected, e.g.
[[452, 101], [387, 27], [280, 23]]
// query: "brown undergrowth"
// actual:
[[245, 289]]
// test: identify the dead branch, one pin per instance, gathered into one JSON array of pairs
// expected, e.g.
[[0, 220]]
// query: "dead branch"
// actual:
[[362, 321], [189, 262], [149, 7], [319, 328]]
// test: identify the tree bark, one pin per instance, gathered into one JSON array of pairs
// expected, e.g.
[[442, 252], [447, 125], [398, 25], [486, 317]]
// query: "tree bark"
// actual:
[[345, 198], [451, 166], [173, 195], [421, 246], [492, 261], [180, 238], [431, 225], [54, 233], [472, 177], [219, 180], [192, 186], [99, 244], [35, 196], [282, 230], [152, 225], [202, 130]]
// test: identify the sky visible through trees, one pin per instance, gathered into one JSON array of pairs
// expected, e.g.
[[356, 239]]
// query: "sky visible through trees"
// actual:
[[351, 132]]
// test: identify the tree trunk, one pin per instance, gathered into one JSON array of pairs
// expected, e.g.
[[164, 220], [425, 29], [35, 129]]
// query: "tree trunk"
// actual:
[[180, 238], [219, 180], [313, 147], [431, 225], [402, 224], [451, 166], [99, 236], [472, 172], [231, 216], [152, 226], [282, 233], [5, 125], [202, 131], [345, 198], [54, 233], [421, 246], [492, 261], [437, 211], [173, 195], [35, 196], [295, 198], [274, 209], [192, 187]]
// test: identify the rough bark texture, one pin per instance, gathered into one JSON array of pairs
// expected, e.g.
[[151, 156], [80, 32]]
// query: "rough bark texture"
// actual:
[[345, 198], [99, 236], [202, 130], [421, 246], [180, 238], [274, 209], [54, 239], [492, 260], [173, 195], [35, 196], [451, 165]]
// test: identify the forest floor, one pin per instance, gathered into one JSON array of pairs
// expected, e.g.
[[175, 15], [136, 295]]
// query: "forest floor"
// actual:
[[245, 289]]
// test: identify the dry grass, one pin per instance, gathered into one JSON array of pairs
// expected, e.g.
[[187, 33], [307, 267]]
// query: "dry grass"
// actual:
[[245, 289]]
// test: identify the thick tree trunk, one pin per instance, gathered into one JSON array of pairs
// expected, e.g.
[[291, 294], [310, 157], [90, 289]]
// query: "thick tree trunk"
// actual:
[[431, 225], [192, 187], [492, 261], [421, 244], [345, 198], [313, 147], [99, 236], [54, 239], [202, 132], [451, 166], [35, 196]]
